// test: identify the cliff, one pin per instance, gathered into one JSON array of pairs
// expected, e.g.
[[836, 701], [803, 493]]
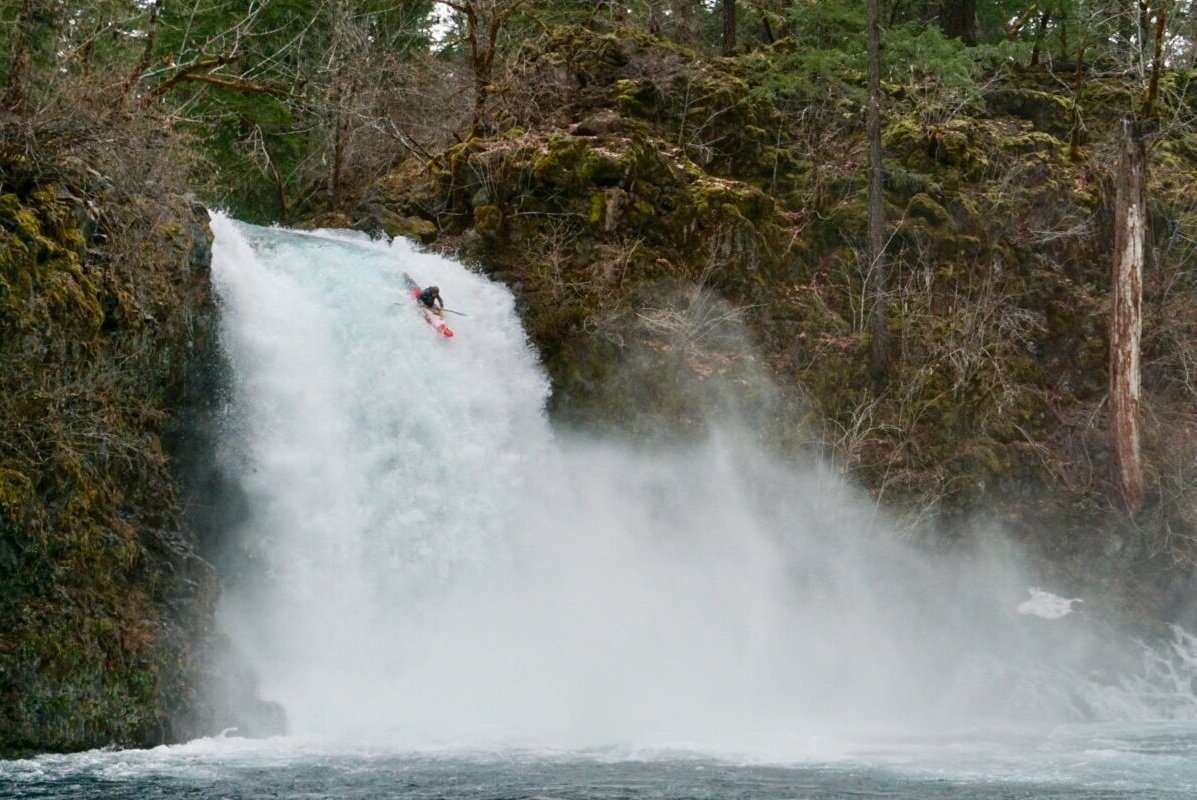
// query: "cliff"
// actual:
[[107, 328]]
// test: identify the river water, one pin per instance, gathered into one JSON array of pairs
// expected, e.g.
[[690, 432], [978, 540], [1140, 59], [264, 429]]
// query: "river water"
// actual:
[[1093, 761]]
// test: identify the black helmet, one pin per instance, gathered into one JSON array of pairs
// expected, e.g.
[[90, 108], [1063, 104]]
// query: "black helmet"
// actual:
[[433, 290]]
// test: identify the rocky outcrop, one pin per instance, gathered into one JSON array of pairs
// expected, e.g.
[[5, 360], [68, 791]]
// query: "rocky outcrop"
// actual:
[[107, 329]]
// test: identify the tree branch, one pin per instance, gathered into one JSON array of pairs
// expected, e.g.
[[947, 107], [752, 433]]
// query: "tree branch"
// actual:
[[234, 84], [1020, 22]]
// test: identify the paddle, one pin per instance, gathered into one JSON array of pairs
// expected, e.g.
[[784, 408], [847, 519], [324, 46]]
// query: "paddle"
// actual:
[[451, 311]]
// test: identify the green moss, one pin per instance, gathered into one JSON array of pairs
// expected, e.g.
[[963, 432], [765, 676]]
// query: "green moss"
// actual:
[[1049, 111], [92, 337], [19, 219], [573, 163], [596, 213], [923, 207], [421, 230], [635, 98], [488, 219]]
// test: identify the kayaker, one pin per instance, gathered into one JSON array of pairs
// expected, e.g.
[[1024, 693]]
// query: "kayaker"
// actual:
[[430, 298]]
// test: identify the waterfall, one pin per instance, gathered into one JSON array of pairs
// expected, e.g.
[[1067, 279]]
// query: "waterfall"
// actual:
[[426, 562]]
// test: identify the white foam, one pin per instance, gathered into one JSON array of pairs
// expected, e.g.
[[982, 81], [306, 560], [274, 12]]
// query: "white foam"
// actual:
[[1045, 605], [428, 566]]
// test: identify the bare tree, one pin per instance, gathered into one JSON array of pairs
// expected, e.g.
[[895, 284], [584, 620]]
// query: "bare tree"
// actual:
[[343, 84], [1126, 319], [1130, 257], [878, 326], [484, 19]]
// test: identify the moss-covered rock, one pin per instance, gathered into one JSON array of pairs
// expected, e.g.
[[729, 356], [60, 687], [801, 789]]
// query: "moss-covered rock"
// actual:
[[105, 605], [488, 220], [421, 230]]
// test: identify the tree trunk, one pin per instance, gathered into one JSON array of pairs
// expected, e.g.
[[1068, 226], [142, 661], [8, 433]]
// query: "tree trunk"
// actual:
[[1126, 319], [1153, 86], [958, 18], [1142, 35], [341, 128], [767, 34], [147, 52], [1044, 19], [15, 98], [481, 87], [876, 274], [729, 27]]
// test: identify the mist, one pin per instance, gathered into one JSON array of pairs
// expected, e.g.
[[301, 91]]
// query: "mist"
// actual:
[[426, 563]]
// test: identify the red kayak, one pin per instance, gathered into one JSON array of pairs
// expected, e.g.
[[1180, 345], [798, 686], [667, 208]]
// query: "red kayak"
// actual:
[[431, 317]]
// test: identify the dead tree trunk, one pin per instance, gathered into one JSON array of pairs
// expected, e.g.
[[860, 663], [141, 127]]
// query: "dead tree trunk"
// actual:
[[15, 97], [1126, 319], [729, 27], [876, 273]]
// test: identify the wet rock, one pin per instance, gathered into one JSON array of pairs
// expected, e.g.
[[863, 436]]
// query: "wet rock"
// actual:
[[329, 219], [409, 227], [105, 601]]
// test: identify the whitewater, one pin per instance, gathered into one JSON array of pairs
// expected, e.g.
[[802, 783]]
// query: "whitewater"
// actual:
[[448, 597]]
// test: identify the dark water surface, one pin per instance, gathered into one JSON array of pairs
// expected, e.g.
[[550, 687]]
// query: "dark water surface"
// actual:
[[1108, 761]]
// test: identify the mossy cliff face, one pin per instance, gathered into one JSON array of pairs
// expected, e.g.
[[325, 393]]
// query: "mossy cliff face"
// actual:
[[106, 317], [621, 236], [652, 208]]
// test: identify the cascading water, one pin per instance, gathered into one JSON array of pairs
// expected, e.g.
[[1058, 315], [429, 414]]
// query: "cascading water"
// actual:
[[451, 600], [426, 564], [380, 463]]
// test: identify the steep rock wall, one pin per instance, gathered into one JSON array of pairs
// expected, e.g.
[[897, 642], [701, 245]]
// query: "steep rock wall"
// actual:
[[107, 328]]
